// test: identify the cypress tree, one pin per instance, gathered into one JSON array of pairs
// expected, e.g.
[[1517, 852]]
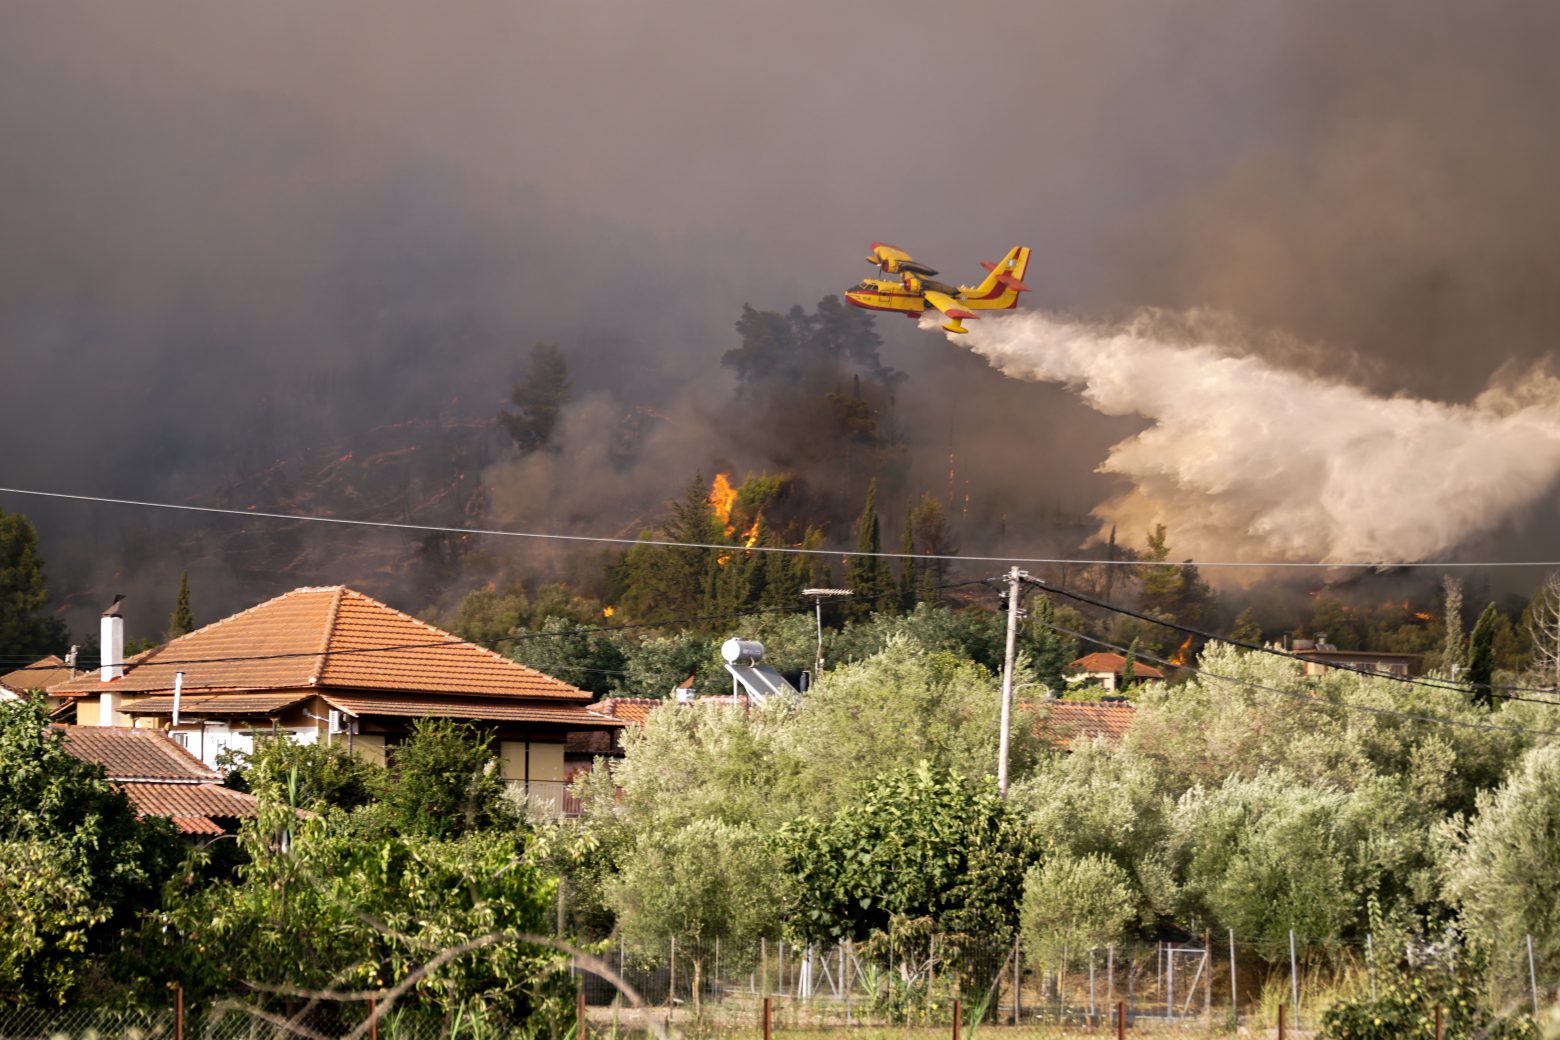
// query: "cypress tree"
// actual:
[[182, 621], [868, 577], [909, 573], [1481, 657], [1453, 652]]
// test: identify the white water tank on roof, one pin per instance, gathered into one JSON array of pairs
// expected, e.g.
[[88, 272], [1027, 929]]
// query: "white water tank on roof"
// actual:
[[742, 651]]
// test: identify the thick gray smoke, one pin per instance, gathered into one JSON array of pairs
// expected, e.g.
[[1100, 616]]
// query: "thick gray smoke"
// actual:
[[1246, 460], [240, 244]]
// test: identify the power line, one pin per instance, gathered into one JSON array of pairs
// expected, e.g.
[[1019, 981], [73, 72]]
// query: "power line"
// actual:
[[1290, 655], [793, 550], [1310, 701]]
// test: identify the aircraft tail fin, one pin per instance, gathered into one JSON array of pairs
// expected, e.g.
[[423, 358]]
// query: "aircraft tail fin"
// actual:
[[1004, 281]]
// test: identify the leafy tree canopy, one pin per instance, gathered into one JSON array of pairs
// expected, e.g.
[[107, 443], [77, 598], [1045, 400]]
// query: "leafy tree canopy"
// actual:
[[917, 844]]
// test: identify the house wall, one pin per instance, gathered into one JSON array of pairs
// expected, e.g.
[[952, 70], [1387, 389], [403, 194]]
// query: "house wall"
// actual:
[[535, 768], [89, 712], [369, 747], [208, 741]]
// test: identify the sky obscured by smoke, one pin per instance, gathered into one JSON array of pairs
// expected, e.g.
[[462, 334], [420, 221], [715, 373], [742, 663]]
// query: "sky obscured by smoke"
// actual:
[[229, 234]]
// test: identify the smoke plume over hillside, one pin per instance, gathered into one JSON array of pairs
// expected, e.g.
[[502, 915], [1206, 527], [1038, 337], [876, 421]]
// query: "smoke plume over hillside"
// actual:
[[237, 245], [1243, 459]]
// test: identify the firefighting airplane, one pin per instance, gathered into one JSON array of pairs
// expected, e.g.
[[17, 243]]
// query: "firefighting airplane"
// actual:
[[914, 290]]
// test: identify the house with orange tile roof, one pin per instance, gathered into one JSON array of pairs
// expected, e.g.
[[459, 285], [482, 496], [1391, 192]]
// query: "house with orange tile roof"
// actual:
[[39, 677], [1064, 723], [161, 778], [1106, 671], [331, 664]]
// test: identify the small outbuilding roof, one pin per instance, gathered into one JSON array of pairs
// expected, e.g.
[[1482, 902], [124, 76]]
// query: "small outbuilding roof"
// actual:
[[159, 777], [43, 675]]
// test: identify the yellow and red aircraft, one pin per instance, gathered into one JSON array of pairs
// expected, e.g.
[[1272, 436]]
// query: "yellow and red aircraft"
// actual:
[[914, 290]]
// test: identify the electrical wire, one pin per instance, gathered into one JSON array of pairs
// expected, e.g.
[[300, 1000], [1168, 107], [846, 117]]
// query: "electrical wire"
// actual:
[[786, 549], [1433, 684], [1308, 700]]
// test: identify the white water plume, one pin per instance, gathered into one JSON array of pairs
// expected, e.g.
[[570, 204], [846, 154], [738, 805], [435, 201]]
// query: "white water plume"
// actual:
[[1246, 460]]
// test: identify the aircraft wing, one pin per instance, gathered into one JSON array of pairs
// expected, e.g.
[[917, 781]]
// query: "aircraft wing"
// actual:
[[894, 260], [947, 304]]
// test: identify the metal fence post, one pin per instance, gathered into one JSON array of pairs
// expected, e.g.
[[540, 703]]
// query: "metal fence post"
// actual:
[[1281, 1008], [1121, 1020], [1018, 980], [958, 1016], [1131, 976], [1532, 977], [1294, 977], [373, 1016], [848, 955], [1208, 975], [768, 1016], [1234, 992], [1438, 1022], [178, 1012], [671, 985], [579, 1012], [1110, 974], [1091, 988]]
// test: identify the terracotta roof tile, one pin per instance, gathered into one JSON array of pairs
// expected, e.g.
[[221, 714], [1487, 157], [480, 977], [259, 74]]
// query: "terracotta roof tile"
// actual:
[[159, 777], [633, 710], [1067, 721], [215, 704], [1115, 663], [135, 754], [40, 675], [496, 709], [196, 825], [462, 667], [188, 800], [590, 742], [275, 644], [330, 637]]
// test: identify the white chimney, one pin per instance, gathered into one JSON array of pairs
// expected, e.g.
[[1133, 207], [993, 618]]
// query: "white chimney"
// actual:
[[111, 634]]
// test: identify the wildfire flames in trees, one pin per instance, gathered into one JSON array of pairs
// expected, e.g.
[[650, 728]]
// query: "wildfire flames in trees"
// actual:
[[723, 499], [1183, 653]]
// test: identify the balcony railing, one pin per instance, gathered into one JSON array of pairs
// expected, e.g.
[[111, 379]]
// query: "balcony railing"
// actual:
[[548, 799]]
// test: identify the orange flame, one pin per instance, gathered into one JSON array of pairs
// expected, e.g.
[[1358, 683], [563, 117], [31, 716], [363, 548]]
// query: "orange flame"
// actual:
[[1183, 652], [1422, 616], [608, 610], [750, 536], [722, 497]]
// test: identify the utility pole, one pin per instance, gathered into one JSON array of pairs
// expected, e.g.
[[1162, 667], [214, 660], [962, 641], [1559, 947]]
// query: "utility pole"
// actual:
[[818, 596], [1014, 579]]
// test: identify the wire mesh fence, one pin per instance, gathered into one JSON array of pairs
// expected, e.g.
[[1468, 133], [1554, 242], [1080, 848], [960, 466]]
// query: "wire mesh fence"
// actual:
[[1192, 987], [242, 1018]]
